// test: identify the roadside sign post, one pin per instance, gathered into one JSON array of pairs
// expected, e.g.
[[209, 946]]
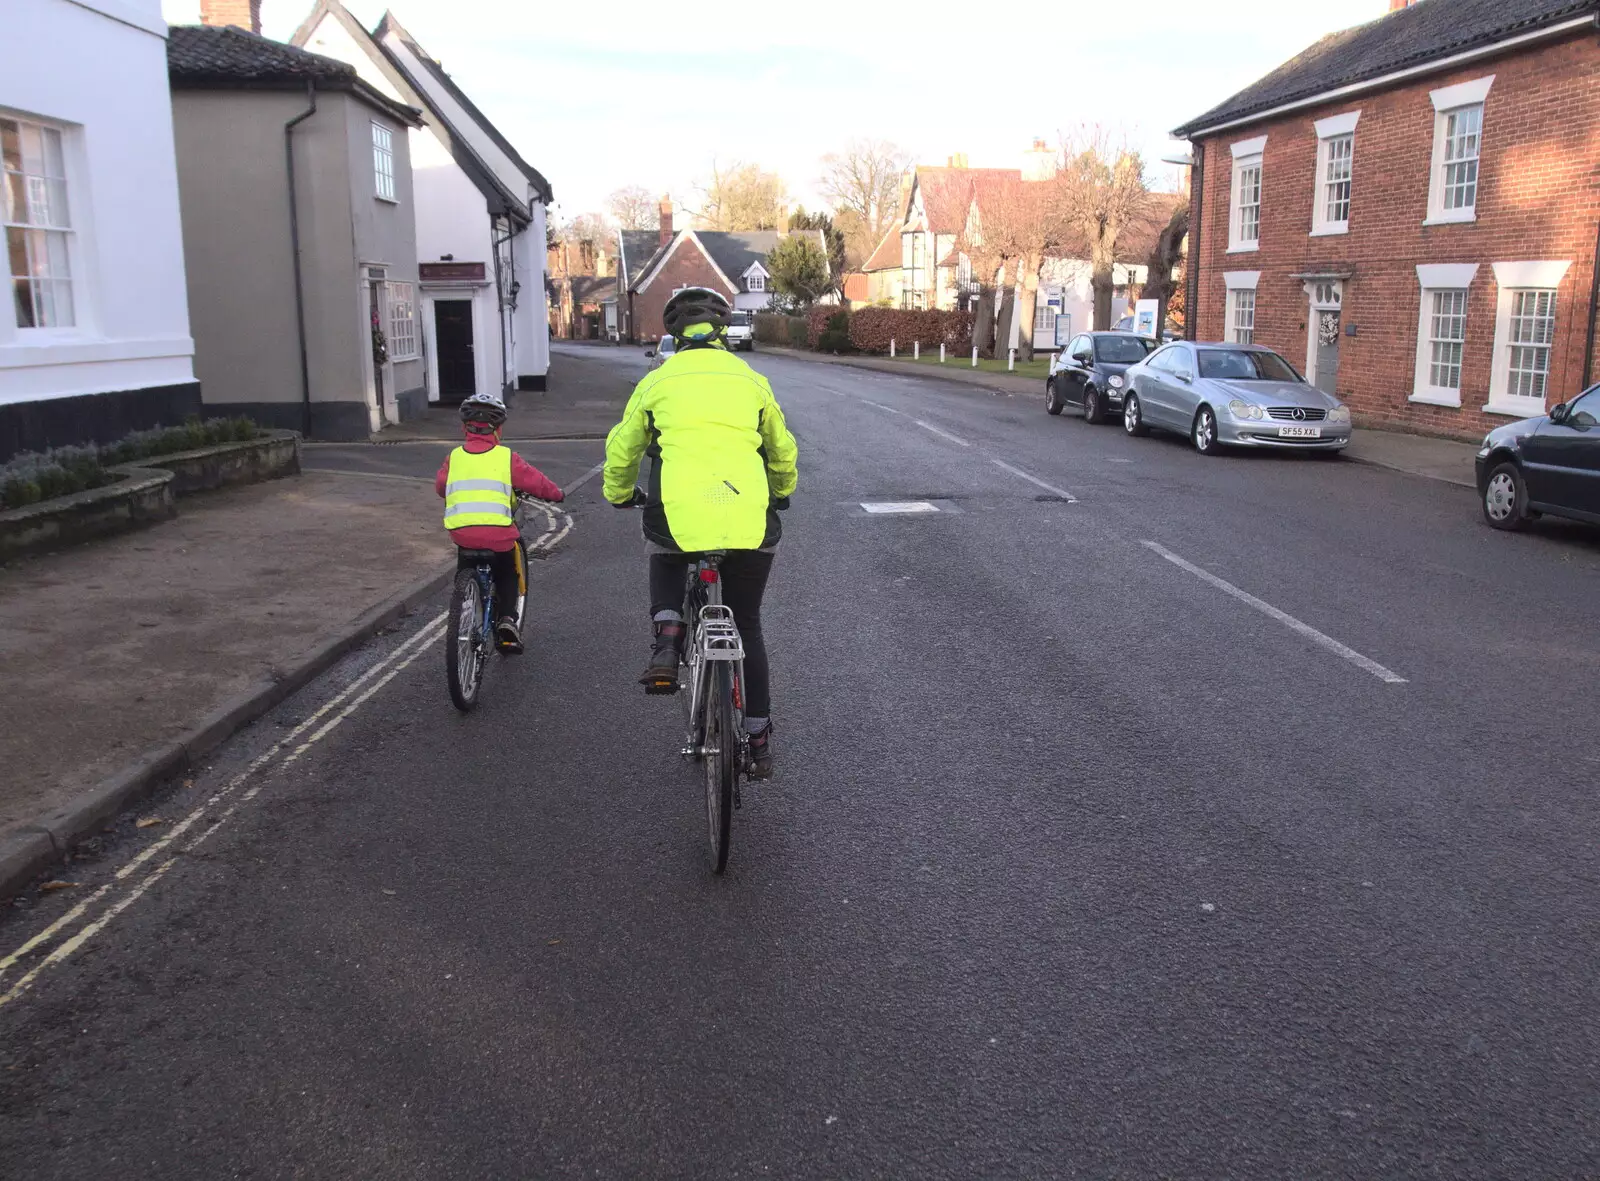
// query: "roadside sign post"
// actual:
[[1144, 318]]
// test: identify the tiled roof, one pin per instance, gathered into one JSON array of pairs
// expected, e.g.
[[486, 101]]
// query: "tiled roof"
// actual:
[[1424, 32], [213, 57], [592, 289], [888, 255], [228, 54], [947, 193], [639, 249], [856, 288]]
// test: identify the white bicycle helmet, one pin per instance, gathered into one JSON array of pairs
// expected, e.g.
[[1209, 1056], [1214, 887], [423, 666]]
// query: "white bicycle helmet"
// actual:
[[489, 409]]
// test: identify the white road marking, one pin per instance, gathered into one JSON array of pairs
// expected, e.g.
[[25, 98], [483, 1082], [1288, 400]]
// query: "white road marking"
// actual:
[[1017, 471], [899, 506], [928, 426], [885, 409], [583, 479], [386, 670], [1283, 617]]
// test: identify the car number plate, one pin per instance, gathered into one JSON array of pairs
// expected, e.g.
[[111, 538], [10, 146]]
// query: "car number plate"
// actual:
[[1299, 432]]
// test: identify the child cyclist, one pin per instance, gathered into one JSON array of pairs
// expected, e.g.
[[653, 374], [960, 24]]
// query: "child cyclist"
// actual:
[[479, 481]]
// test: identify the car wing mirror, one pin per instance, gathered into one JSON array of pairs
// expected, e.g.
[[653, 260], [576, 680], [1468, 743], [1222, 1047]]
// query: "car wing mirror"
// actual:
[[1184, 376], [649, 352], [1558, 414]]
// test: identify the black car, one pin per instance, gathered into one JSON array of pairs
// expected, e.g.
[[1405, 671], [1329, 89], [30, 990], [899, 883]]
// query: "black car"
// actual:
[[1549, 464], [1088, 372]]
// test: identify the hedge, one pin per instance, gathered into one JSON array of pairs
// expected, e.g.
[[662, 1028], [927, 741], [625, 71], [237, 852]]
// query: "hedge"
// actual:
[[786, 331], [871, 329], [31, 477]]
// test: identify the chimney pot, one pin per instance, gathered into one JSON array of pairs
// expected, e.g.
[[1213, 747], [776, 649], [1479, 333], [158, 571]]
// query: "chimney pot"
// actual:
[[241, 14], [1397, 5]]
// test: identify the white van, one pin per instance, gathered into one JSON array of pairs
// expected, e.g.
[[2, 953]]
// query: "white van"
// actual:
[[741, 332]]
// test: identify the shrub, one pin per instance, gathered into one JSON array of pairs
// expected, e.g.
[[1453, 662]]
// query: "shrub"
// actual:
[[871, 329], [835, 336], [31, 477]]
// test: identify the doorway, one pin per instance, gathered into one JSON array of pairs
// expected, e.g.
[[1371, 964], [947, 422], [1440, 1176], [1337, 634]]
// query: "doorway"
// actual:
[[1323, 333], [452, 333]]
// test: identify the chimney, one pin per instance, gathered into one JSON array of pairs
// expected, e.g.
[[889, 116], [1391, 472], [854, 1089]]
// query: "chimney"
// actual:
[[959, 160], [666, 220], [241, 14], [1397, 5]]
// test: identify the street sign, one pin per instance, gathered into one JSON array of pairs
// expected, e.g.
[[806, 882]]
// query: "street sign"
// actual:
[[1144, 318], [1063, 328]]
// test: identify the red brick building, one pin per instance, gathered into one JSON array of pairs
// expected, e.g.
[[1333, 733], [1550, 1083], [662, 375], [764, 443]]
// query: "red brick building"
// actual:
[[1410, 212]]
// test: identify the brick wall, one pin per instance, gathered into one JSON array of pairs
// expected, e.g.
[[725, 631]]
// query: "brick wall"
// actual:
[[1538, 199], [687, 267]]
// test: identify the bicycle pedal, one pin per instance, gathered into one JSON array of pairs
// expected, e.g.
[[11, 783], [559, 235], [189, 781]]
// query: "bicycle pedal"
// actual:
[[660, 688]]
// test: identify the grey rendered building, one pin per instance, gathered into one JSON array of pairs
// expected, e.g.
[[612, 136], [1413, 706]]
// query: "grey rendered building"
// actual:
[[285, 154]]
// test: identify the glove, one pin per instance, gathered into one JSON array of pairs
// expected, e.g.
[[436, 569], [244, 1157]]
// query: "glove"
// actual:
[[781, 503]]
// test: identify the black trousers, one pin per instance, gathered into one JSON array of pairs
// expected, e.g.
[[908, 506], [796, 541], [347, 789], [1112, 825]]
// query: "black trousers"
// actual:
[[744, 582]]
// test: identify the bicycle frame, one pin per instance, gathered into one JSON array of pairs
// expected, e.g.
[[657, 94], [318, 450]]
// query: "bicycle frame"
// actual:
[[713, 636]]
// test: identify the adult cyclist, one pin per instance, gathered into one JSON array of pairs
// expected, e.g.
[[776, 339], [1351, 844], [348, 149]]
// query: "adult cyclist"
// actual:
[[722, 463]]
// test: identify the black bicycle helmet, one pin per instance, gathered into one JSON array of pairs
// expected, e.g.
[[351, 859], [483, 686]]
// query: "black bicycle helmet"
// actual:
[[694, 306], [489, 409]]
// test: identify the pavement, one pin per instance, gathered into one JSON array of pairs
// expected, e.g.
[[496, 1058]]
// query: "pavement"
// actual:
[[1138, 814]]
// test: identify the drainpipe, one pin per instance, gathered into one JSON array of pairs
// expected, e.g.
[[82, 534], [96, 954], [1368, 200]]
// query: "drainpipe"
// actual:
[[294, 247], [1191, 276], [500, 294], [1594, 306]]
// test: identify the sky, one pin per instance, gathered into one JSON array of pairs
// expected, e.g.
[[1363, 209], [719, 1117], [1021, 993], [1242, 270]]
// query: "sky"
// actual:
[[602, 95]]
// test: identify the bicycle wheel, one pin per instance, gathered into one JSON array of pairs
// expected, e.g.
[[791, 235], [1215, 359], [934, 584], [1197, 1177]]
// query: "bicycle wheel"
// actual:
[[721, 761], [463, 652]]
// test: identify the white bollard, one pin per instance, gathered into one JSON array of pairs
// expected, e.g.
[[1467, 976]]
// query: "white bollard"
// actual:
[[974, 356], [1011, 359], [891, 348], [941, 354], [916, 350]]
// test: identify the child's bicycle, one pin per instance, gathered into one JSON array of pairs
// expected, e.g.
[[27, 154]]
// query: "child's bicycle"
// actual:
[[469, 632]]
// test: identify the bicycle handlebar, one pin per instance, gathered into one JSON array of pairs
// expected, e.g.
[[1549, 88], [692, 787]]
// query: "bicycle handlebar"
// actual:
[[641, 499]]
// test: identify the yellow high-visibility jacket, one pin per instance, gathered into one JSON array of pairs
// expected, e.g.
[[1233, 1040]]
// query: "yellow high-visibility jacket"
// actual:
[[720, 453]]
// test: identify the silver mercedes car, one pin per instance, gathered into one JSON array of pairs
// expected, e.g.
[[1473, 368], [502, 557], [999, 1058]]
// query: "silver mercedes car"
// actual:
[[1231, 395]]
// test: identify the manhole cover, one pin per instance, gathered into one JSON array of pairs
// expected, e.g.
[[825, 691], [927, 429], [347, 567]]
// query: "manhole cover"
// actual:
[[899, 506]]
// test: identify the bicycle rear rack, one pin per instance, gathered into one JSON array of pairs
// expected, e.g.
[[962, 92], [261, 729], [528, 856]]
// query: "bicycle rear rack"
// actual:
[[719, 635]]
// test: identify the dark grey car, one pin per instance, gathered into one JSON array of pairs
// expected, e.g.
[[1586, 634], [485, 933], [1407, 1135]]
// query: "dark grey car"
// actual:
[[1089, 372], [1549, 464]]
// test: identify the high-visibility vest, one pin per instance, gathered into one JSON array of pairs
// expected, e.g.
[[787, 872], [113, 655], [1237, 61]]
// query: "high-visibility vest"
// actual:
[[477, 488]]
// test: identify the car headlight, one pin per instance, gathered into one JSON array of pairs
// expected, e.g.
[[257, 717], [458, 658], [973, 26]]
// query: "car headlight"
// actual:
[[1339, 414], [1115, 381], [1242, 409]]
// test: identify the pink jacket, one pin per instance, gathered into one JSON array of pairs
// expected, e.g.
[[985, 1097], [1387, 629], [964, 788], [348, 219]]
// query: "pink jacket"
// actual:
[[524, 478]]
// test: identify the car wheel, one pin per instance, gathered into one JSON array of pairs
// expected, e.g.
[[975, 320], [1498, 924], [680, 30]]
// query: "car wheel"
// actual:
[[1133, 415], [1094, 410], [1052, 397], [1204, 432], [1505, 497]]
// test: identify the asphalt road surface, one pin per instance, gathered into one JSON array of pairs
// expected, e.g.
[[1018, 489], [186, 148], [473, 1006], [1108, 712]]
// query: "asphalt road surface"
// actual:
[[1138, 815]]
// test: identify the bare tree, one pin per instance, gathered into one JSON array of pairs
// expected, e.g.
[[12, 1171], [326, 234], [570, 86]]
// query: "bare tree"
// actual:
[[1165, 256], [864, 181], [633, 207], [740, 197], [1100, 192], [987, 248], [1021, 226]]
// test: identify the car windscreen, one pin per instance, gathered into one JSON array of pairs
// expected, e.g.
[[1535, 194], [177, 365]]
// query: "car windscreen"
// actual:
[[1121, 350], [1245, 365], [740, 319]]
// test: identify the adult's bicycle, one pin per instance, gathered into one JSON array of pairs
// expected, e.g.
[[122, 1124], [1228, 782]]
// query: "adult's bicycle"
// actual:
[[711, 686], [469, 630]]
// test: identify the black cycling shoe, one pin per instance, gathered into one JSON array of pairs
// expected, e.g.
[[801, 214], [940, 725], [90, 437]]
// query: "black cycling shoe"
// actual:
[[507, 638], [660, 676], [759, 764]]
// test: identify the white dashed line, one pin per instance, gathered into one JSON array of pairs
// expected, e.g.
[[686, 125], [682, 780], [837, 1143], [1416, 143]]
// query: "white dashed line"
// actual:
[[885, 409], [1035, 480], [928, 426], [1283, 617]]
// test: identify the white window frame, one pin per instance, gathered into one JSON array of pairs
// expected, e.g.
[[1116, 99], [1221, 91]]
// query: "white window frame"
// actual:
[[67, 231], [1238, 282], [756, 281], [1447, 101], [1247, 155], [1434, 279], [1511, 278], [383, 177], [1336, 129], [404, 339]]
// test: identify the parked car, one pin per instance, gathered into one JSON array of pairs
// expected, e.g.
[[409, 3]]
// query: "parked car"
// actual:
[[658, 353], [741, 332], [1089, 372], [1231, 395], [1549, 464]]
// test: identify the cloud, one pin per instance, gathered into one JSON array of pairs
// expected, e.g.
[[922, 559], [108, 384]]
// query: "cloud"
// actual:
[[631, 93]]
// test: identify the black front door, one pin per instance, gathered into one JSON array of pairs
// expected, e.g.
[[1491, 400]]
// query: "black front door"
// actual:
[[452, 334]]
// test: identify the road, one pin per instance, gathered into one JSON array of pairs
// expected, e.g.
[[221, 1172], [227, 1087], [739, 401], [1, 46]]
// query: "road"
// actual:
[[1138, 814]]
